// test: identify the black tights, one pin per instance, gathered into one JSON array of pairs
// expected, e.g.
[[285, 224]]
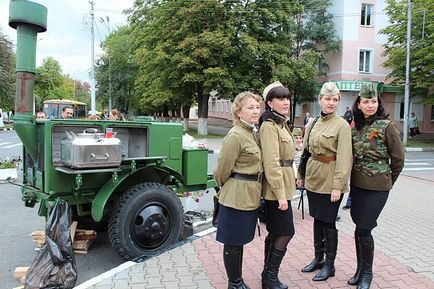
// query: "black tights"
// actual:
[[280, 242], [325, 225], [363, 232]]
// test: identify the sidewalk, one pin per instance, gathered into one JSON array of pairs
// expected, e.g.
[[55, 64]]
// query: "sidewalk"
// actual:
[[404, 252]]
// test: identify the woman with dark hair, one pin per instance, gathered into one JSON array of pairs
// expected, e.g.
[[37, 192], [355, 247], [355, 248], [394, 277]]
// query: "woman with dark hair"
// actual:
[[239, 176], [328, 139], [378, 161], [278, 151]]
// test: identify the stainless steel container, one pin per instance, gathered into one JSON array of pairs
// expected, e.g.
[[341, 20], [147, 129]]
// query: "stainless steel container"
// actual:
[[90, 150]]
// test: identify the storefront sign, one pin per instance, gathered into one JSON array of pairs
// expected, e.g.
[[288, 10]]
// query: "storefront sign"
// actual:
[[354, 85]]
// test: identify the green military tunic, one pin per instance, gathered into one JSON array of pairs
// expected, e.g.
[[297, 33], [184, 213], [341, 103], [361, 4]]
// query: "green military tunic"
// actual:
[[277, 144], [378, 155], [240, 154], [330, 136]]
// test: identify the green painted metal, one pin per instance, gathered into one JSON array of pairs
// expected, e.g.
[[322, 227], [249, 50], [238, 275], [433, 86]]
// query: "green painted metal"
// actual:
[[195, 166], [28, 18]]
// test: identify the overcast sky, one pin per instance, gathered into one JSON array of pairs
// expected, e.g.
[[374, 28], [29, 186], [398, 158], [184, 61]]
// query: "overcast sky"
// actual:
[[66, 38]]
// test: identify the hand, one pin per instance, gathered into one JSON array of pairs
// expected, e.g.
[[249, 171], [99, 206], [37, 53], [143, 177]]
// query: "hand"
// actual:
[[335, 196], [283, 204], [300, 183]]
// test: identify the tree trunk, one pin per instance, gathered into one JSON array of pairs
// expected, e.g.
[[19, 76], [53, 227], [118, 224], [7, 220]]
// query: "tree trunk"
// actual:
[[202, 103], [165, 113], [186, 116]]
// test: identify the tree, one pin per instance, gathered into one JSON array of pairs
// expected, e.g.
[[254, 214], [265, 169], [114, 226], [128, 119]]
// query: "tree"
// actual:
[[48, 81], [116, 71], [421, 52], [315, 36], [7, 73]]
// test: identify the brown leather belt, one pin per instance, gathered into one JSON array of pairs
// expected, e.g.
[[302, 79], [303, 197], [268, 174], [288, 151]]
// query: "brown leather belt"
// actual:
[[286, 163], [324, 159], [245, 177]]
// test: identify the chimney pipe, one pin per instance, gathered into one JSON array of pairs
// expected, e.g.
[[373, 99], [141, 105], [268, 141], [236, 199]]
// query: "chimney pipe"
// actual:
[[28, 18]]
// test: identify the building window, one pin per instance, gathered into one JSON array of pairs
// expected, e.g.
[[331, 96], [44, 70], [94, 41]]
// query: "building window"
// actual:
[[365, 61], [366, 15]]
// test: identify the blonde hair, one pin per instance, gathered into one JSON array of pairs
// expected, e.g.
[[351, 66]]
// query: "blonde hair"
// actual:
[[239, 101]]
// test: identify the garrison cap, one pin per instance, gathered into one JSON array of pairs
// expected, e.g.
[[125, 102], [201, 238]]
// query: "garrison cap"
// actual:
[[328, 89], [296, 131], [368, 91], [270, 87]]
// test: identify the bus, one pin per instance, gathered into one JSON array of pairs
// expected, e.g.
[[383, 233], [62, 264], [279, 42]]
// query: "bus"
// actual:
[[53, 108]]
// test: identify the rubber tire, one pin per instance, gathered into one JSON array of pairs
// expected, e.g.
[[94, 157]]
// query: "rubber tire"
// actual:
[[126, 214]]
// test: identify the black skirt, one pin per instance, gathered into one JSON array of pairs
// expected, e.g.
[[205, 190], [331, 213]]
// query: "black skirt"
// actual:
[[236, 227], [366, 206], [278, 222], [321, 208]]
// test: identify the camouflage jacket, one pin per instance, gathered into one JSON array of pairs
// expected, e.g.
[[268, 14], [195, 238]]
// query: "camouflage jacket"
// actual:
[[378, 156]]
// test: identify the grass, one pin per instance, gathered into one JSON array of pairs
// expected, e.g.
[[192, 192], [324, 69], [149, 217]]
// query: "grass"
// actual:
[[420, 143], [195, 135], [8, 125]]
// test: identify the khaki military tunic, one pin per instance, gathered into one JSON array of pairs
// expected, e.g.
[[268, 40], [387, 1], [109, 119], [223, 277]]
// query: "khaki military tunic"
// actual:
[[331, 136], [240, 154], [277, 144]]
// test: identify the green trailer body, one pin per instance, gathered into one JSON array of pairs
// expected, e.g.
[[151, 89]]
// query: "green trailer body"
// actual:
[[137, 199]]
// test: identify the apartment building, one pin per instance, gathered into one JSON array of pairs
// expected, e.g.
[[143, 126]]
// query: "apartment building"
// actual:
[[358, 24]]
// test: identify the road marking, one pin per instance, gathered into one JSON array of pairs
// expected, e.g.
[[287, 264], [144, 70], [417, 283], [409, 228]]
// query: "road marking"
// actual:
[[418, 169], [14, 145], [4, 143], [417, 164], [417, 160]]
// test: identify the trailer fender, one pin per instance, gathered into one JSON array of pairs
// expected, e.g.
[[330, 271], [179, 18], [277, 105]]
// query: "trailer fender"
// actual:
[[104, 194]]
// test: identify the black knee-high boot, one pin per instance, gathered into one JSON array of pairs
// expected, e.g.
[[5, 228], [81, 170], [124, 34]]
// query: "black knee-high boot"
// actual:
[[331, 247], [232, 258], [367, 253], [270, 279], [318, 244], [356, 278], [267, 249]]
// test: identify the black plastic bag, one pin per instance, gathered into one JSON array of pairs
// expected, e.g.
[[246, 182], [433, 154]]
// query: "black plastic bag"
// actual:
[[215, 213], [54, 265]]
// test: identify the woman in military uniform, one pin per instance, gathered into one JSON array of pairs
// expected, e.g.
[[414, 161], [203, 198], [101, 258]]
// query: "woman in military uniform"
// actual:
[[378, 161], [326, 179], [239, 177], [278, 150]]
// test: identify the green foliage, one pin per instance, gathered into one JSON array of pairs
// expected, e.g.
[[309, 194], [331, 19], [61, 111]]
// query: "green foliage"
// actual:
[[116, 71], [49, 80], [7, 73], [421, 51]]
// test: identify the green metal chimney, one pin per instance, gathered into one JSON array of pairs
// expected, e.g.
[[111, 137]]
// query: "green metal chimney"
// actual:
[[28, 18]]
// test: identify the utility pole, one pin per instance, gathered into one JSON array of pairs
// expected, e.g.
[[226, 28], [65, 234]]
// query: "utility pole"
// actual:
[[407, 76], [92, 81], [107, 25]]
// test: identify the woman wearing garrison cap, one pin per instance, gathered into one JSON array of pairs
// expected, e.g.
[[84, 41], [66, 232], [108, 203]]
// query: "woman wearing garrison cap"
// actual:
[[378, 161], [326, 178], [278, 150]]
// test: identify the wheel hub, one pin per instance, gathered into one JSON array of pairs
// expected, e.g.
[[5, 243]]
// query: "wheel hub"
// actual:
[[151, 226]]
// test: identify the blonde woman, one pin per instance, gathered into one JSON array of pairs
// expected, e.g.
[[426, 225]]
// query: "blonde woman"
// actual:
[[326, 179], [239, 176]]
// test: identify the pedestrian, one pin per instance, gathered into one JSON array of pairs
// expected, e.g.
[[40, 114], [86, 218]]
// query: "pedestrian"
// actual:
[[326, 178], [306, 118], [348, 115], [67, 112], [239, 176], [40, 115], [298, 141], [278, 149], [378, 161], [116, 115], [413, 123]]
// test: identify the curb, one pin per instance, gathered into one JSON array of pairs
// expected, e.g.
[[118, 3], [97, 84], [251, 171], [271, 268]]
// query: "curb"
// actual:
[[419, 149], [3, 129]]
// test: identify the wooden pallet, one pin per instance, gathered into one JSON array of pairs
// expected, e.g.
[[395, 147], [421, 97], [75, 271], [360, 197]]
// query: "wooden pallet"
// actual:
[[81, 239]]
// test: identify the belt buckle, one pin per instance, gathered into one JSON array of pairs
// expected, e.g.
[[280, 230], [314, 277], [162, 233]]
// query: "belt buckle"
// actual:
[[260, 175]]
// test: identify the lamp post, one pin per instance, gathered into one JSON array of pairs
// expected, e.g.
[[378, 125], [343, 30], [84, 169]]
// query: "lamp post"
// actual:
[[407, 76]]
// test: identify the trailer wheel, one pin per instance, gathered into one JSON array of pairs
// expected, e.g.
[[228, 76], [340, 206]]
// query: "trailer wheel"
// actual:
[[145, 219]]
